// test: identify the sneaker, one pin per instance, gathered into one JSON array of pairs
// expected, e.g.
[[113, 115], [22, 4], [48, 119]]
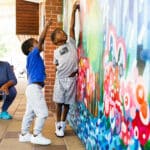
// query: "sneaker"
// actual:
[[39, 139], [59, 130], [5, 115], [25, 138], [63, 125]]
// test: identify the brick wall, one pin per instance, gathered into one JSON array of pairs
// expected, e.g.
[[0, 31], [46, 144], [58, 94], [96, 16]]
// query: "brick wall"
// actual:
[[52, 9], [27, 18]]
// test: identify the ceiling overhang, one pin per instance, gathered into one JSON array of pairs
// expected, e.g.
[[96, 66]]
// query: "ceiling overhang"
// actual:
[[35, 1]]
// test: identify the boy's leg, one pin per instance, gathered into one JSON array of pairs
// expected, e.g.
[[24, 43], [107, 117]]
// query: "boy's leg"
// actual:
[[41, 111], [59, 132], [69, 98], [25, 136], [66, 110], [64, 117], [27, 119], [58, 98], [59, 111]]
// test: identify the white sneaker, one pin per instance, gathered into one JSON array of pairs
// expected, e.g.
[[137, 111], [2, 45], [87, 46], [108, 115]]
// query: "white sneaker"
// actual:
[[39, 139], [59, 130], [63, 125], [25, 138]]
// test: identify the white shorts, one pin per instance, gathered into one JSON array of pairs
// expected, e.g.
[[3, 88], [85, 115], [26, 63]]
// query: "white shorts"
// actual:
[[65, 90]]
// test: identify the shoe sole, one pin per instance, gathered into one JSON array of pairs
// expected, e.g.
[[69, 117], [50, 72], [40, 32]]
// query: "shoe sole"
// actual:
[[59, 136], [39, 143], [5, 118], [24, 141]]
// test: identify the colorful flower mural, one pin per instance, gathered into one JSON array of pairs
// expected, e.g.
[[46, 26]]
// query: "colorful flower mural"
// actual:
[[113, 91]]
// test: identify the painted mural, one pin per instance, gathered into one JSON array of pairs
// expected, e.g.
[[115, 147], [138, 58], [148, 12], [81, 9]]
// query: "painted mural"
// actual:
[[112, 111]]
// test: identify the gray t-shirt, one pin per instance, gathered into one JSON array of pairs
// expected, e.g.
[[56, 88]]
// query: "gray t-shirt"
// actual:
[[65, 58]]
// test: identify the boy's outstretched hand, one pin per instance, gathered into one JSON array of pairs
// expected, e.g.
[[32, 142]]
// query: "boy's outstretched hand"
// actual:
[[76, 5], [43, 34], [49, 22]]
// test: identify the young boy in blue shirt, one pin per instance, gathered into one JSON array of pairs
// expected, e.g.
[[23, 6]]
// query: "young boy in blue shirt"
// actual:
[[36, 104]]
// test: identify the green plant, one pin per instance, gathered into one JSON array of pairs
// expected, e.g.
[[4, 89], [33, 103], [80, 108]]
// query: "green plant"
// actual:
[[3, 49]]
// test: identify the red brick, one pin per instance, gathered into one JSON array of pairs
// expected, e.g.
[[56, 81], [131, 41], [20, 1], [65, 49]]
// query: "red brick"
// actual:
[[27, 18], [53, 8]]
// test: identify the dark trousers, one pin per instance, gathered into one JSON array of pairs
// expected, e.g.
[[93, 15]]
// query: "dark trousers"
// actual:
[[9, 98]]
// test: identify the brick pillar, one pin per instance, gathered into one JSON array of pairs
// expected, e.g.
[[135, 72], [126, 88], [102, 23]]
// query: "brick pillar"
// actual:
[[53, 8]]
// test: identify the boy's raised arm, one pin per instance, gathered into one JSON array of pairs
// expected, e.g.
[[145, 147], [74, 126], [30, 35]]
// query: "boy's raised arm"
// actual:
[[72, 23], [43, 34]]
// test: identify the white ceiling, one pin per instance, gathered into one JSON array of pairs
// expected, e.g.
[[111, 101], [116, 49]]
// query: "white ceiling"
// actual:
[[35, 1], [7, 2]]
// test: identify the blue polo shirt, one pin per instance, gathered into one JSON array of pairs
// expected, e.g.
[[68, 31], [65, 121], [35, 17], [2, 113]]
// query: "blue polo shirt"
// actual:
[[35, 67]]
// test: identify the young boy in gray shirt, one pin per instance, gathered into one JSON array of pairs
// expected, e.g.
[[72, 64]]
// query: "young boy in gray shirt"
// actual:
[[66, 61]]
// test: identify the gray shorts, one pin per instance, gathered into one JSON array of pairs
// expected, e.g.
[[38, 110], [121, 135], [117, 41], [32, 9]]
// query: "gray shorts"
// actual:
[[65, 90]]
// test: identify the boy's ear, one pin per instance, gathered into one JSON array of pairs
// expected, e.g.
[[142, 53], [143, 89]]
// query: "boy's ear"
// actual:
[[30, 49], [55, 41]]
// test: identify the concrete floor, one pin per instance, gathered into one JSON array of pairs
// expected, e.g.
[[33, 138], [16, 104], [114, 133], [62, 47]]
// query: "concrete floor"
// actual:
[[9, 129]]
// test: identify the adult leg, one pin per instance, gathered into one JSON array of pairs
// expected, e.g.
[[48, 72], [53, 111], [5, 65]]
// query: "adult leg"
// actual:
[[9, 99], [7, 102]]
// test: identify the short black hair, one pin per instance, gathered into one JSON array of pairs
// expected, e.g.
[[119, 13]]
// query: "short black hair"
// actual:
[[53, 34], [26, 45]]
